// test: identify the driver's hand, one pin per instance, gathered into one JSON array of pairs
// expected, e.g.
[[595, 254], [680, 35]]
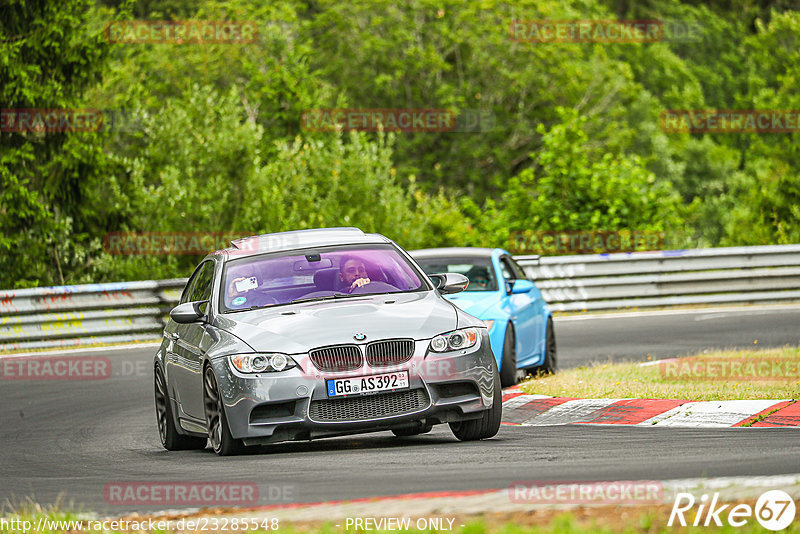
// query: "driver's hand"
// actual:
[[358, 283]]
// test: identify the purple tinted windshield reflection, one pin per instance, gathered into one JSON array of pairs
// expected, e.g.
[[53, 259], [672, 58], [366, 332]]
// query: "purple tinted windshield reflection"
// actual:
[[270, 279]]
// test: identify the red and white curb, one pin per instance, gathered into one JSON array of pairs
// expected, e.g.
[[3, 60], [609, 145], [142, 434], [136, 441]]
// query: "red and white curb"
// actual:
[[541, 410]]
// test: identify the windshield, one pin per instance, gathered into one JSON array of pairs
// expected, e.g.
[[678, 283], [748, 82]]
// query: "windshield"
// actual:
[[321, 273], [478, 270]]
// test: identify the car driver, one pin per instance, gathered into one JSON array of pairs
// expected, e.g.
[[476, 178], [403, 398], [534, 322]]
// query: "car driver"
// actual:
[[352, 274]]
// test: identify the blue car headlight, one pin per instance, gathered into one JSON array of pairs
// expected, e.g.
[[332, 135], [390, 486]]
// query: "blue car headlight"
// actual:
[[455, 340], [261, 363]]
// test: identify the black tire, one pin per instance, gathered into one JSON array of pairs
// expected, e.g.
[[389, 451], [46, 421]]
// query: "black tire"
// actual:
[[550, 365], [219, 433], [508, 366], [489, 423], [404, 432], [167, 432]]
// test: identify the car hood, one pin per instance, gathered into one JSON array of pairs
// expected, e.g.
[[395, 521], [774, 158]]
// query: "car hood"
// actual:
[[294, 329], [476, 303]]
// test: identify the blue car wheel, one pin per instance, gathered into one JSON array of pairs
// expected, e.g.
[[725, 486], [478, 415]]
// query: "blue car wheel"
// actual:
[[508, 368], [550, 364]]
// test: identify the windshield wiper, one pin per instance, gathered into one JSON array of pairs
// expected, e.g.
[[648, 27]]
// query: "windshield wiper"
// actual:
[[324, 297], [250, 308]]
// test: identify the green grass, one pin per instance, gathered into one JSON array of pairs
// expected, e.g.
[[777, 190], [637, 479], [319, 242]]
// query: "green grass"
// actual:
[[622, 380]]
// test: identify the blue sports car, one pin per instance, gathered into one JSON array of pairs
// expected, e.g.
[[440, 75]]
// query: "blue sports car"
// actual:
[[520, 321]]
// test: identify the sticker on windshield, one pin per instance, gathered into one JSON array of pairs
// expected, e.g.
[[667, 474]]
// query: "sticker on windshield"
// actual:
[[238, 301]]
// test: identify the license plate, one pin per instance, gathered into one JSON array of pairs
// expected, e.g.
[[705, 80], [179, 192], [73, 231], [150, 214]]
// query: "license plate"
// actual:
[[367, 384]]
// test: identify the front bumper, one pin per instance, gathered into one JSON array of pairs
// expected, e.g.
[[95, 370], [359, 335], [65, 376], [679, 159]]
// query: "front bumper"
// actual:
[[294, 404]]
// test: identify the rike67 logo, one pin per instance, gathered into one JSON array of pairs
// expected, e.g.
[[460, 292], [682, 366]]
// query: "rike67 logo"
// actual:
[[774, 510]]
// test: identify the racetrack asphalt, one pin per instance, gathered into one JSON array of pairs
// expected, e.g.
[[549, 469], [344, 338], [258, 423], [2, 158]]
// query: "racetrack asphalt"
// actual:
[[635, 336], [72, 438]]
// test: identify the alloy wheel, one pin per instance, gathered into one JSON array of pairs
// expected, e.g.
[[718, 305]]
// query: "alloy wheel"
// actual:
[[213, 408]]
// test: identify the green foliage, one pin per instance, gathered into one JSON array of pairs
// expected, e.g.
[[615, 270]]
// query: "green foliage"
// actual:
[[572, 187], [344, 181], [768, 193], [48, 181], [214, 142], [198, 166], [768, 207], [459, 56]]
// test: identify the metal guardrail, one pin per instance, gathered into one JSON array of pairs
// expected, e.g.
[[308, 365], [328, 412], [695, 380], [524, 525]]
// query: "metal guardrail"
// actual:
[[71, 316], [734, 275], [92, 314]]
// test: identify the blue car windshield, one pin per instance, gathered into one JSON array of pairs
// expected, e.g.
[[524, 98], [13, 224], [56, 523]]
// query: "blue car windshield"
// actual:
[[478, 270], [321, 273]]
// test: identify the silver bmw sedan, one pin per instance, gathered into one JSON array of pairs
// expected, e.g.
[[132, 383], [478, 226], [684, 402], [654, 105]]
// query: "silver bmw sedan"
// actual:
[[320, 333]]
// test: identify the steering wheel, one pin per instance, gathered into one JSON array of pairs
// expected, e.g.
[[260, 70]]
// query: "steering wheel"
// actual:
[[374, 287]]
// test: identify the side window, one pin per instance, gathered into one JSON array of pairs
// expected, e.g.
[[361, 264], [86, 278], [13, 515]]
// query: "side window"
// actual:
[[202, 287], [187, 289], [519, 272], [508, 272]]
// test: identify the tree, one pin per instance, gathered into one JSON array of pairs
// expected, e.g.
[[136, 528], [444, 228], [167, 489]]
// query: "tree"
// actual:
[[768, 195], [572, 187], [51, 184]]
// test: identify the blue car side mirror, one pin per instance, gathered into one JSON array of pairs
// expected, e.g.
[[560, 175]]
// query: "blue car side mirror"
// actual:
[[521, 286]]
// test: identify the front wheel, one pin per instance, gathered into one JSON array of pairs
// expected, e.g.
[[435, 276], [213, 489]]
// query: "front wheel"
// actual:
[[489, 423], [219, 433]]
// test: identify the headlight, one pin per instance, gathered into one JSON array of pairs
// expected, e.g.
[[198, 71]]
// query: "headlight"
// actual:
[[489, 323], [261, 363], [458, 339]]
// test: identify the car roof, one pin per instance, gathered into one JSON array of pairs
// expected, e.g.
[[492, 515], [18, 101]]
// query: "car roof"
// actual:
[[452, 252], [297, 239]]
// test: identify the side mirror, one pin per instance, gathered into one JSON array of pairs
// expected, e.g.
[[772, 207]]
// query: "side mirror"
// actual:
[[449, 283], [521, 286], [188, 312]]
